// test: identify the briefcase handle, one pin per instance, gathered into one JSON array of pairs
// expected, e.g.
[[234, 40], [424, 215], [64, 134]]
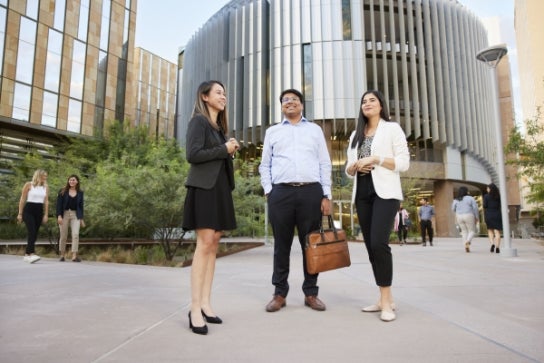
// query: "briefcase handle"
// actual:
[[331, 226]]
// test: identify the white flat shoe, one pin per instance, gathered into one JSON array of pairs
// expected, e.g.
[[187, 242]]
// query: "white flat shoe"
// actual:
[[375, 308], [387, 316]]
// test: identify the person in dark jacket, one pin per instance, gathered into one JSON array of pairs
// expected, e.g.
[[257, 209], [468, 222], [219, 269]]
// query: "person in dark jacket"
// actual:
[[208, 208], [493, 217], [70, 214]]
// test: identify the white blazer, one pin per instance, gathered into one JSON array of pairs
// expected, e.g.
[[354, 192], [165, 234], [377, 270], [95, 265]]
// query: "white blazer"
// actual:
[[389, 142]]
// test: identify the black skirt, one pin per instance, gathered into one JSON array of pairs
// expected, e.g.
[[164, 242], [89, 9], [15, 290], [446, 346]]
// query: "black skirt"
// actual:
[[210, 208]]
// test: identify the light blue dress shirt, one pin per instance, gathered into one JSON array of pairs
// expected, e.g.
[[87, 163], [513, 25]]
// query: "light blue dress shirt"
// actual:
[[295, 154]]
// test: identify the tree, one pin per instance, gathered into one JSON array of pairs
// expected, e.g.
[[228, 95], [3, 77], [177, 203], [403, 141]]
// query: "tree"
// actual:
[[248, 202], [529, 150], [139, 190]]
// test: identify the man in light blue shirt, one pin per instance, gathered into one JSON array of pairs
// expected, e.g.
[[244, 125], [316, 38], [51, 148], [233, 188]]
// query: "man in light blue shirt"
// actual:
[[296, 178], [426, 214]]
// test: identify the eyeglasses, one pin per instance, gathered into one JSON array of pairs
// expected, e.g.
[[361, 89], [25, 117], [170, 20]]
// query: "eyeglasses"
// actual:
[[289, 99]]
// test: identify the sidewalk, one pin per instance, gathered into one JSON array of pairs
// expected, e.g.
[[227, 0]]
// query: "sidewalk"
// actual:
[[452, 306]]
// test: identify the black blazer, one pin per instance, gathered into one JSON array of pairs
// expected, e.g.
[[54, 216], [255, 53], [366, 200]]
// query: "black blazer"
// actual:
[[62, 203], [206, 152]]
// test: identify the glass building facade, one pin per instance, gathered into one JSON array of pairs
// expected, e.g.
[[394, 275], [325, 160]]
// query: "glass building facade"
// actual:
[[421, 54]]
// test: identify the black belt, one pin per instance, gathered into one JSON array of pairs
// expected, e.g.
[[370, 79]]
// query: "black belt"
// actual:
[[296, 184]]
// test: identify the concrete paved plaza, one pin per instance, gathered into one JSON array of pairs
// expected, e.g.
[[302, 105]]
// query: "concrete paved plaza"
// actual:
[[452, 306]]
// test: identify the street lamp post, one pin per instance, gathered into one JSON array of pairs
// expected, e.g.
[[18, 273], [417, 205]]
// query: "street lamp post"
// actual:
[[491, 56]]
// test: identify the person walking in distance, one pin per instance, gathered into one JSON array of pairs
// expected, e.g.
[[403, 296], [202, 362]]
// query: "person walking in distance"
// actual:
[[400, 225], [209, 207], [70, 214], [33, 207], [426, 215], [466, 215], [493, 217], [377, 153], [296, 177]]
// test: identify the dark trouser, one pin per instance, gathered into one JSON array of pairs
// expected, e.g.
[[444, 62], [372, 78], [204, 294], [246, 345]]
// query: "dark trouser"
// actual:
[[376, 217], [32, 216], [426, 228], [290, 206], [402, 233]]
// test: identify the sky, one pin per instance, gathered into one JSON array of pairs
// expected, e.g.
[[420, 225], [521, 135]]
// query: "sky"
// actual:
[[163, 26]]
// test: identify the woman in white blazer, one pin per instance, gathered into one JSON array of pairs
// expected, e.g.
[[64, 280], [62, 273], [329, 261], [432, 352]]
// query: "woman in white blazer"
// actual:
[[377, 153]]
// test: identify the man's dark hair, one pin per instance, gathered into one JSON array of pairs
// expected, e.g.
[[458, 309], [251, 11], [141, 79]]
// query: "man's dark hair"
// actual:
[[296, 92]]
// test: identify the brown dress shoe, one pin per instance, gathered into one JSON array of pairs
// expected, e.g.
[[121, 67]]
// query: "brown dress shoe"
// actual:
[[275, 304], [314, 303]]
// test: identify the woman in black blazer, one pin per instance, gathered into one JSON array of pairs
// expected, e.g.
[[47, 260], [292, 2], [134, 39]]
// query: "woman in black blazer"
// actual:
[[70, 213], [208, 209]]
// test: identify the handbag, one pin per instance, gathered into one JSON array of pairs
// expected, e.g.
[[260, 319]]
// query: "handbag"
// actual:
[[326, 249]]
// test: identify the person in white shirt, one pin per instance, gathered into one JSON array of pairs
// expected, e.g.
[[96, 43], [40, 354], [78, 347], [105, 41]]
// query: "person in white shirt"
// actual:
[[376, 154], [33, 207]]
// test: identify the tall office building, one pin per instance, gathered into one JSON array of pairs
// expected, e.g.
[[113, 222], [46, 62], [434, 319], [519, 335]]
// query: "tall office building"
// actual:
[[155, 93], [529, 38], [421, 54], [65, 69]]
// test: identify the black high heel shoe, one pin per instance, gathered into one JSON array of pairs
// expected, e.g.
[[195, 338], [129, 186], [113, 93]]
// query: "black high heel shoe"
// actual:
[[202, 330], [211, 319]]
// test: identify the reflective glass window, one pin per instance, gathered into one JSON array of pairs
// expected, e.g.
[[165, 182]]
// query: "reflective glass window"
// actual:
[[74, 116], [60, 9], [308, 80], [99, 120], [32, 7], [25, 62], [4, 2], [101, 78], [21, 102], [2, 35], [53, 63], [83, 20], [105, 28], [346, 19], [49, 112], [126, 26], [78, 70], [25, 55]]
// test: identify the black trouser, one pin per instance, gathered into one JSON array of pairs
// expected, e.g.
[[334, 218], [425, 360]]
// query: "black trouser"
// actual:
[[376, 217], [402, 232], [32, 216], [290, 207], [426, 228]]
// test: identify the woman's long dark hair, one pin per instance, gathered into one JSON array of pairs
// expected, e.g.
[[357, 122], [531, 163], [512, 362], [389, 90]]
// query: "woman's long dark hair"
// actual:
[[363, 120], [201, 107], [494, 191], [461, 193], [67, 186]]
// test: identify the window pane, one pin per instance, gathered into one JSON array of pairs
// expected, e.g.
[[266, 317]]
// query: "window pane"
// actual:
[[25, 62], [74, 116], [49, 113], [25, 55], [2, 35], [101, 79], [83, 20], [28, 30], [32, 8], [105, 28], [78, 70], [21, 102], [60, 8], [53, 63]]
